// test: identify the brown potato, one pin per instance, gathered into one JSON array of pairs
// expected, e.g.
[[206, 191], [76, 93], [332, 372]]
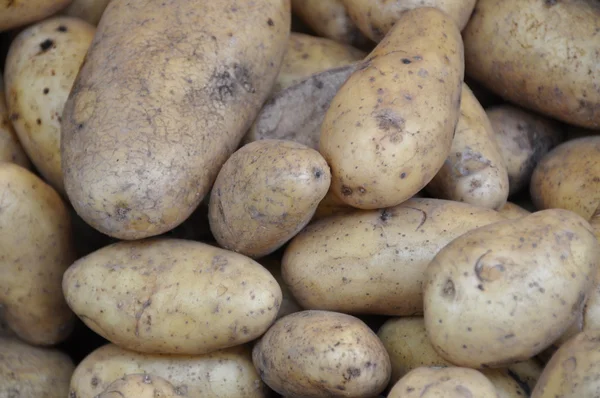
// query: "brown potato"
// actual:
[[142, 386], [10, 146], [17, 13], [513, 211], [89, 10]]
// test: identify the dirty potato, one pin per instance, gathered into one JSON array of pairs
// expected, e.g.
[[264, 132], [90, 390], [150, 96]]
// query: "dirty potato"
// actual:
[[89, 10], [142, 386], [17, 13]]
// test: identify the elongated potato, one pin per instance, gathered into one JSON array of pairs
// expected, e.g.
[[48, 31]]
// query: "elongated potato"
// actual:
[[475, 171], [375, 260], [10, 146], [166, 94], [486, 287], [89, 10], [142, 386], [41, 66], [16, 13], [513, 211], [389, 128]]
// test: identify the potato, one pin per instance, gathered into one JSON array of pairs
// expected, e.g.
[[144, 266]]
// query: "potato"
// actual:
[[389, 128], [10, 146], [17, 13], [506, 386], [545, 59], [322, 353], [474, 172], [33, 372], [142, 386], [172, 296], [265, 194], [289, 304], [37, 247], [573, 329], [220, 374], [41, 66], [331, 205], [166, 93], [486, 287], [513, 211], [373, 262], [88, 10], [451, 382], [591, 311], [376, 18], [523, 138]]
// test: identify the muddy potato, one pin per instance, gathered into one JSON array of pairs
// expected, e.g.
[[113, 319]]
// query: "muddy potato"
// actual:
[[89, 10], [486, 287], [389, 128], [375, 260], [545, 59], [172, 296], [17, 13], [513, 211], [264, 194], [142, 386], [10, 146], [316, 353], [166, 93], [474, 171]]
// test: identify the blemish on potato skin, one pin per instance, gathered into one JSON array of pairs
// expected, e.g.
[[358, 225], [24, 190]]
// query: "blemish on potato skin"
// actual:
[[46, 45]]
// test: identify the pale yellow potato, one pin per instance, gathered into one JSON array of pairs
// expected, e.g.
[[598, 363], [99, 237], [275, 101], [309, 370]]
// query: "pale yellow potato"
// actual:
[[504, 292], [373, 262], [474, 171], [142, 386], [41, 66], [10, 146], [389, 128], [322, 353], [226, 373], [17, 13], [289, 304], [89, 10], [513, 211], [264, 194]]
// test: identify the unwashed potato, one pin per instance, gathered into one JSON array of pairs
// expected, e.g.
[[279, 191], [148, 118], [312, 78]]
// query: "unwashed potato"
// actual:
[[172, 296], [523, 138], [17, 13], [486, 289], [37, 247], [220, 374], [289, 304], [321, 353], [546, 59], [10, 146], [142, 386], [474, 171], [373, 262], [166, 93], [264, 194], [513, 211], [389, 128], [89, 10]]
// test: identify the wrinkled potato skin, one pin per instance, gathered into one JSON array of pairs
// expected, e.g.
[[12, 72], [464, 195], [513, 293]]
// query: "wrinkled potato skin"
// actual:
[[494, 278], [89, 10], [376, 18], [220, 374], [474, 171], [375, 260], [340, 356], [142, 386], [37, 247], [41, 66], [265, 193], [154, 304], [16, 13], [10, 146], [146, 129], [513, 211], [389, 128], [545, 59]]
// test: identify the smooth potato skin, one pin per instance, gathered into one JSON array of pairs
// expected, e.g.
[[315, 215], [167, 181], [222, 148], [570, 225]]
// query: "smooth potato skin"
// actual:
[[389, 128], [142, 386], [545, 59], [16, 13], [164, 97], [513, 211], [89, 10], [10, 146]]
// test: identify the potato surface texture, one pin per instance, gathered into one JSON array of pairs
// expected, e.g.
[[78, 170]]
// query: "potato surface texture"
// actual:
[[16, 13], [486, 288], [142, 386], [10, 146], [172, 296], [166, 93], [389, 128], [513, 211], [89, 10]]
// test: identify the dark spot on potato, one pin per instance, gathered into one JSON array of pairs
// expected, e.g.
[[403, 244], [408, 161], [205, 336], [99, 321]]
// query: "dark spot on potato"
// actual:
[[362, 190], [406, 61], [224, 85], [346, 191], [318, 84], [385, 215], [94, 382], [181, 390], [46, 90], [550, 3], [80, 126], [317, 173], [46, 45], [449, 290], [388, 119], [39, 122], [480, 287], [520, 382], [340, 387], [62, 28], [14, 117], [270, 22], [121, 211], [351, 373], [402, 175]]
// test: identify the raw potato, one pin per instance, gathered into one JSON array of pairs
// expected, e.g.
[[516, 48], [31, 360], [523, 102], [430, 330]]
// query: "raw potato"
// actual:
[[373, 262], [485, 288], [451, 382], [142, 386], [89, 10], [321, 353], [376, 18], [41, 66], [474, 171], [513, 211], [523, 138], [591, 311], [37, 247], [289, 304], [331, 205], [221, 374], [33, 372], [389, 128], [17, 13], [265, 194], [10, 146], [545, 59], [166, 93], [505, 384], [172, 296]]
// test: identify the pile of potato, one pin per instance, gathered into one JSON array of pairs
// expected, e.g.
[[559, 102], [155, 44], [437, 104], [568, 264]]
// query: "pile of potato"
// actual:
[[305, 198]]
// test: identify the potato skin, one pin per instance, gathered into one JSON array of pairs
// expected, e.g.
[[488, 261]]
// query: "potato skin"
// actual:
[[321, 353], [10, 146], [513, 211], [545, 59], [16, 13], [142, 386], [89, 10], [164, 97], [375, 260], [503, 277], [389, 128], [265, 193]]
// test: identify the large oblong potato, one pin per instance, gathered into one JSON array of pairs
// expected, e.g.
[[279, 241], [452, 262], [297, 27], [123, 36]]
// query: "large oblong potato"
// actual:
[[264, 194], [10, 146], [166, 93], [486, 289], [142, 386], [17, 13], [389, 128]]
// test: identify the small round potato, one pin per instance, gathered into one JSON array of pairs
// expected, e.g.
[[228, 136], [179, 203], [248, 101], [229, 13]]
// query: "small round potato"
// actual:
[[513, 211], [10, 146], [321, 353], [17, 13], [89, 10], [142, 386]]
